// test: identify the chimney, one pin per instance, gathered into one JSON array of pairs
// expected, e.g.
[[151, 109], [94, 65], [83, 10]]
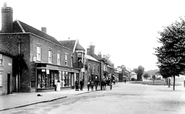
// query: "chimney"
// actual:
[[100, 55], [88, 51], [44, 29], [92, 49], [7, 19]]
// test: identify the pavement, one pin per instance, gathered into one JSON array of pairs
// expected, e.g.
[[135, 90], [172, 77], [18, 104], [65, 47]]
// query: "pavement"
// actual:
[[17, 100]]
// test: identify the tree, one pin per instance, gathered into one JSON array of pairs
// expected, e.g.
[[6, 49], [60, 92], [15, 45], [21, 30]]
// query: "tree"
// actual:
[[140, 72], [171, 55], [146, 75]]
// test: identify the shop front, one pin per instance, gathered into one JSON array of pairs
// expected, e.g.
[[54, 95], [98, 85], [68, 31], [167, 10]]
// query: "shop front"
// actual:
[[48, 76]]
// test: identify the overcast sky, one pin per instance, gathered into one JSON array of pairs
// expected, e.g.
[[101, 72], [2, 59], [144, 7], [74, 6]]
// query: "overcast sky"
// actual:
[[125, 29]]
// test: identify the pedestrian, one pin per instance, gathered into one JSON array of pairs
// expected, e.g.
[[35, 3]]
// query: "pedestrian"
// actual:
[[76, 85], [92, 85], [88, 84], [55, 84], [81, 85]]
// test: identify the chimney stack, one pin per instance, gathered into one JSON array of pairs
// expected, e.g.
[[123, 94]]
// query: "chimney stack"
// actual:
[[7, 19], [92, 49], [44, 29]]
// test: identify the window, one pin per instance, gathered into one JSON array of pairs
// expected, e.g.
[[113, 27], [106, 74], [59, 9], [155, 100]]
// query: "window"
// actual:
[[71, 61], [49, 56], [58, 58], [89, 67], [1, 60], [38, 53], [94, 69], [66, 56]]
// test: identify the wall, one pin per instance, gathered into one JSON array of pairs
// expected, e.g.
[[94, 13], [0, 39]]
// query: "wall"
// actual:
[[10, 42], [4, 70], [88, 73], [45, 46]]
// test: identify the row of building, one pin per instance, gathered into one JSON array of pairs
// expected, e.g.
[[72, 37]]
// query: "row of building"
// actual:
[[31, 60]]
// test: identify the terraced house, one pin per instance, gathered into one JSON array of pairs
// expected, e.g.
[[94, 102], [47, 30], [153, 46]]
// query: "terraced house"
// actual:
[[35, 61]]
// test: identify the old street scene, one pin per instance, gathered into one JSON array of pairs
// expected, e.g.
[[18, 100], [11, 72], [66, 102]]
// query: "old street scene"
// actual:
[[88, 57]]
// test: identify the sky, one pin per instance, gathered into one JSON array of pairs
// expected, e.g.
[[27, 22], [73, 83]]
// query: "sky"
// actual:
[[127, 30]]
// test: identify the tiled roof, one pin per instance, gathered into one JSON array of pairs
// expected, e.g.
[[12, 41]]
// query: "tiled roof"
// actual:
[[97, 57], [91, 58], [23, 27], [79, 47], [68, 43], [71, 44]]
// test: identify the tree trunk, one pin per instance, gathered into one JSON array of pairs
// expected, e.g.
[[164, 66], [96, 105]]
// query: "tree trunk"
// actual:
[[173, 82], [169, 82]]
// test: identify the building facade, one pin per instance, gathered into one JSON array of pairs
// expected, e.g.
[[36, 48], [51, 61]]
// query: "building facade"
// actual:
[[39, 60], [5, 74], [92, 69]]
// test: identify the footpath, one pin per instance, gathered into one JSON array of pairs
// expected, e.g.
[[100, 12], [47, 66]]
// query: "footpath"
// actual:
[[17, 100]]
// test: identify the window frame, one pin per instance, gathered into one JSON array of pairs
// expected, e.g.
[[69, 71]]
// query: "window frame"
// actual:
[[38, 54], [66, 59], [50, 56], [58, 58]]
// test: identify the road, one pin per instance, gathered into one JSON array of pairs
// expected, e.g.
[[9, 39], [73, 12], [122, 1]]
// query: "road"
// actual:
[[122, 99]]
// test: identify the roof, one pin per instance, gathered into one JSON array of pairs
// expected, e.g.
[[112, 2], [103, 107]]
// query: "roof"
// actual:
[[68, 43], [79, 47], [91, 58], [19, 26], [97, 57], [72, 44]]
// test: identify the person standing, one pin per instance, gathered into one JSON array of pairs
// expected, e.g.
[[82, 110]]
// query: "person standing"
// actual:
[[76, 85], [88, 84], [81, 85]]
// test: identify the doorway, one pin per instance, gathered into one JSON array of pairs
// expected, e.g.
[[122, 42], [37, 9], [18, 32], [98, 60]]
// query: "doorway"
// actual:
[[8, 83]]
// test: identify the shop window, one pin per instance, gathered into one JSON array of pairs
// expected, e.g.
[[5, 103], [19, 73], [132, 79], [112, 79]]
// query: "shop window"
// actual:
[[1, 60], [43, 79], [38, 53]]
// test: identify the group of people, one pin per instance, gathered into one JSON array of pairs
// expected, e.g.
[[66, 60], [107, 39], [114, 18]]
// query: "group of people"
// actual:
[[93, 84], [103, 83], [79, 85]]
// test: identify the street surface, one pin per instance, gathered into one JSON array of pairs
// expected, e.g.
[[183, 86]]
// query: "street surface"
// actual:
[[122, 99]]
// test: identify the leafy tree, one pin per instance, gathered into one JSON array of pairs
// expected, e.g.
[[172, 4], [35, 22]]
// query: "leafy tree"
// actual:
[[140, 72], [171, 55], [146, 75]]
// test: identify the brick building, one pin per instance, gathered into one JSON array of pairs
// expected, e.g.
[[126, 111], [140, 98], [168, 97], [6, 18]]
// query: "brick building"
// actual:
[[39, 60], [5, 73], [92, 69], [78, 57]]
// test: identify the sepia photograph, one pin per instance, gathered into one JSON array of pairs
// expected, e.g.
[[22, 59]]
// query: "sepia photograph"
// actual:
[[92, 57]]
